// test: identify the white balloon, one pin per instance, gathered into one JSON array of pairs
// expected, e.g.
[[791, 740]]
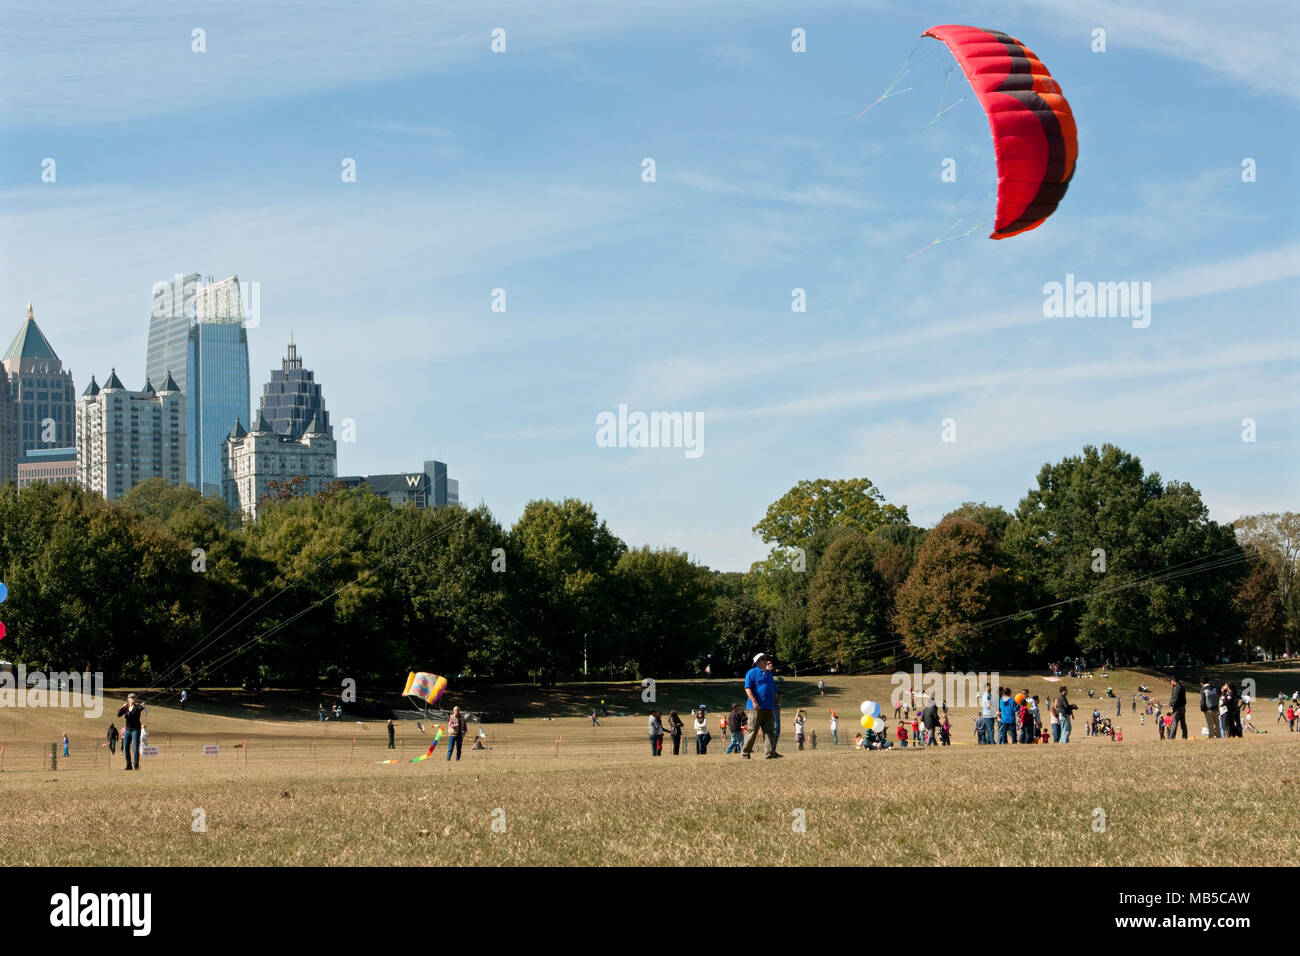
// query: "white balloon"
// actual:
[[867, 707]]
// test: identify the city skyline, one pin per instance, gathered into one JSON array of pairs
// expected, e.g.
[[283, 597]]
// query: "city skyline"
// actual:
[[675, 294]]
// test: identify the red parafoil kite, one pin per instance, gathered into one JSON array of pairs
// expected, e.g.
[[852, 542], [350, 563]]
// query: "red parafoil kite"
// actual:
[[1034, 138]]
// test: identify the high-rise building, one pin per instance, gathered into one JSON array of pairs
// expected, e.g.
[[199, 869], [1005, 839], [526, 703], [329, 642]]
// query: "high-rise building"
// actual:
[[8, 438], [218, 381], [293, 398], [256, 458], [41, 394], [197, 335], [169, 330], [430, 488], [126, 437]]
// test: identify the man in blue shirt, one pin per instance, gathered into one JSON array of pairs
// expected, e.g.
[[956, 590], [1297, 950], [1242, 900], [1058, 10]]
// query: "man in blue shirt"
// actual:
[[760, 688], [1008, 706]]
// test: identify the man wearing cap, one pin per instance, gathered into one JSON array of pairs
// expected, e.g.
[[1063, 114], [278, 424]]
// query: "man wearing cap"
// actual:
[[1210, 707], [760, 688]]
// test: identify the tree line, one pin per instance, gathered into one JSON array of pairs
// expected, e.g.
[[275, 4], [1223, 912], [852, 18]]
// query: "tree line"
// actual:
[[1101, 559]]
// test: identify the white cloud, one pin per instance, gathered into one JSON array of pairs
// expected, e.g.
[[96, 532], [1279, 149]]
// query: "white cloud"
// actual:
[[1254, 45]]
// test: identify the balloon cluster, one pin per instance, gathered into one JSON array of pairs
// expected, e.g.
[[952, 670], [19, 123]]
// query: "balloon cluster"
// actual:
[[871, 719]]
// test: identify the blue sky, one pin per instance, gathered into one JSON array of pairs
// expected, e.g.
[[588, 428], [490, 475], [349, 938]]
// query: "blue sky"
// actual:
[[522, 171]]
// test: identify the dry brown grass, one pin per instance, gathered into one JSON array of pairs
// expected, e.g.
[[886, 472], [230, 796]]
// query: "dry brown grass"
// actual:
[[301, 794]]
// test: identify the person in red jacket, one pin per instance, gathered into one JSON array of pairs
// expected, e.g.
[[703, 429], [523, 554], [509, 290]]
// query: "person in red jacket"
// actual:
[[902, 734]]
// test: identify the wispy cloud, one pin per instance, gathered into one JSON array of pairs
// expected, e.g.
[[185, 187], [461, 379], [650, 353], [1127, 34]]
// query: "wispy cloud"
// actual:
[[1256, 52]]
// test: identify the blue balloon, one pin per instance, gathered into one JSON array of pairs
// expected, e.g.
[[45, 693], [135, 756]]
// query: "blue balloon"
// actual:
[[4, 592]]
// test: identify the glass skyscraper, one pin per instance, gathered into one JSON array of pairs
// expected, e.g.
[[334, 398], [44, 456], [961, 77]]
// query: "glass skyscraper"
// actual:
[[169, 331], [219, 394], [197, 334]]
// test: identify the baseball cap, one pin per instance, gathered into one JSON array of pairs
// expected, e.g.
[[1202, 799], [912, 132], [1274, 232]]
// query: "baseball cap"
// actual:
[[759, 656]]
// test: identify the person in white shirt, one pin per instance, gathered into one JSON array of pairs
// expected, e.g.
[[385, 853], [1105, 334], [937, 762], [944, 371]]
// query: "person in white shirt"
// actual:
[[702, 735], [835, 729]]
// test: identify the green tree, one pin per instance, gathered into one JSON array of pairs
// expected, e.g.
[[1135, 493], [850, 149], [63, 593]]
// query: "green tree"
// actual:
[[848, 606], [329, 602], [741, 625], [1264, 620], [562, 558], [664, 613], [449, 607], [1273, 541], [794, 519], [957, 586], [1132, 567]]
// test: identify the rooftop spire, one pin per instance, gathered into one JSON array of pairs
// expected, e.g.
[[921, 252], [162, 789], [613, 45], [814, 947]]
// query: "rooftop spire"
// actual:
[[30, 342]]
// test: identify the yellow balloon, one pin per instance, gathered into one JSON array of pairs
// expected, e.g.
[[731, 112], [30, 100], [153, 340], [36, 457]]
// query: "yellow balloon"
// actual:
[[868, 722]]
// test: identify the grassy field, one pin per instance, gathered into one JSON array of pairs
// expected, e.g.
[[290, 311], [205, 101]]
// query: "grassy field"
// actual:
[[303, 792]]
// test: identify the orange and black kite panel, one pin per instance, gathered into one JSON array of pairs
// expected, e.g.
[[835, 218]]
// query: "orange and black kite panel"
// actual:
[[1034, 137]]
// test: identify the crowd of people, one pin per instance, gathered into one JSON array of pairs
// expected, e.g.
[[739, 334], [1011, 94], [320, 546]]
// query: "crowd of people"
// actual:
[[1007, 717]]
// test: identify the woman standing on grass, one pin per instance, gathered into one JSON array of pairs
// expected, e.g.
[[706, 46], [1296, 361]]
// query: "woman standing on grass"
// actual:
[[800, 718], [702, 734], [675, 728]]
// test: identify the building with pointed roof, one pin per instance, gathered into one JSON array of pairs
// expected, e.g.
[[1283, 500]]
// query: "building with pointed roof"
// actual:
[[42, 401], [290, 439], [257, 457], [292, 398], [126, 437]]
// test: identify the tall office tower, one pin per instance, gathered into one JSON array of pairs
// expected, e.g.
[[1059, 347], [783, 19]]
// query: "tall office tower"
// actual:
[[41, 393], [169, 330], [293, 398], [218, 392], [8, 440], [126, 437]]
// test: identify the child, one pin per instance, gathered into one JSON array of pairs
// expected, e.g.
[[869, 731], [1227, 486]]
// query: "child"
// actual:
[[945, 732], [1120, 736], [902, 735], [857, 741], [916, 731], [812, 739], [1045, 737]]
